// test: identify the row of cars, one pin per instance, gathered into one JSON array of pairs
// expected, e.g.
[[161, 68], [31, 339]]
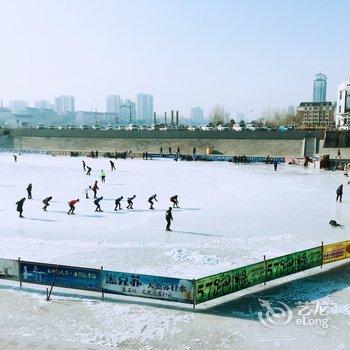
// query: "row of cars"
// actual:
[[235, 127]]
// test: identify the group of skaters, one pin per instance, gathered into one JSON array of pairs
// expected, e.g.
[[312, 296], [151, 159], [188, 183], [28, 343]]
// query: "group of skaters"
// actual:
[[97, 200]]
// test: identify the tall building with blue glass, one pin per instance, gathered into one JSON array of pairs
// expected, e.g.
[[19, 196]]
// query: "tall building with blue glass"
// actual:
[[320, 88]]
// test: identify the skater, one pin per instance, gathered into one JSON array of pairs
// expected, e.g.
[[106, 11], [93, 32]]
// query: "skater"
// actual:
[[112, 165], [72, 204], [103, 176], [88, 170], [338, 154], [15, 158], [151, 199], [97, 203], [94, 189], [174, 200], [84, 165], [169, 150], [87, 192], [333, 223], [46, 202], [275, 164], [168, 218], [20, 207], [29, 191], [117, 203], [161, 151], [130, 202], [339, 193]]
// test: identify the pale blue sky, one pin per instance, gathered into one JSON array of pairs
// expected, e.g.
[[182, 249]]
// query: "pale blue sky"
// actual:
[[242, 54]]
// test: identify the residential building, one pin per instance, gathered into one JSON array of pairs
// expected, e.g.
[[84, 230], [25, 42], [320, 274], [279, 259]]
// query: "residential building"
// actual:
[[320, 88], [113, 103], [17, 105], [44, 104], [196, 116], [316, 114], [128, 111], [342, 111], [144, 107], [64, 104]]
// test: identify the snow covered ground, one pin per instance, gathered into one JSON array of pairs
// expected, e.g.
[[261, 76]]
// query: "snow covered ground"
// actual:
[[230, 215]]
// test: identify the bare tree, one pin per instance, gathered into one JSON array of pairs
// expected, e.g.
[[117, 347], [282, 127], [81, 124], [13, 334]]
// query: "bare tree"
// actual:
[[219, 115], [276, 117]]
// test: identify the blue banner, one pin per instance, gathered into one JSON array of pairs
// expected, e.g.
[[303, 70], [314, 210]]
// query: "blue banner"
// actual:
[[60, 276], [156, 287]]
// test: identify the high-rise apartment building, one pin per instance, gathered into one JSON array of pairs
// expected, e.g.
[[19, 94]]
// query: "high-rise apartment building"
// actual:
[[320, 88], [64, 104], [17, 105], [144, 107], [196, 116], [113, 103], [44, 104]]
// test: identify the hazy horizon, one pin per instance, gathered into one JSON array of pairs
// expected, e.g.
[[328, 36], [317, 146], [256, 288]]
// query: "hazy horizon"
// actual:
[[245, 55]]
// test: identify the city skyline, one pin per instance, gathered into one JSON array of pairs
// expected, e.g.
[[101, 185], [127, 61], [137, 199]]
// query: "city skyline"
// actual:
[[183, 64]]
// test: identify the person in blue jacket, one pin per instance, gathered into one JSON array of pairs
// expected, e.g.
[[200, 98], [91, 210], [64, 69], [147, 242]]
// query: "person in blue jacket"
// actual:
[[97, 203]]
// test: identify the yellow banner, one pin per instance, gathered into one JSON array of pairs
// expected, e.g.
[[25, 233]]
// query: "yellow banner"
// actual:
[[336, 251]]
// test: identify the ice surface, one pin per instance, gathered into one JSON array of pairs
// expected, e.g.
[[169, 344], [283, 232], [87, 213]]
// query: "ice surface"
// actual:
[[230, 215]]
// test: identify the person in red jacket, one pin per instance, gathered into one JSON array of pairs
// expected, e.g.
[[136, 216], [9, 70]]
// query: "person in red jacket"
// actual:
[[72, 206], [94, 189]]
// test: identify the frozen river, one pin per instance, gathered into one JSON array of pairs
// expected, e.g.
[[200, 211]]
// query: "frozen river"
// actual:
[[230, 215]]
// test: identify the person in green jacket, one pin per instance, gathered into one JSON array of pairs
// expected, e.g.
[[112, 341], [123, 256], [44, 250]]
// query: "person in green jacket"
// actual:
[[103, 176]]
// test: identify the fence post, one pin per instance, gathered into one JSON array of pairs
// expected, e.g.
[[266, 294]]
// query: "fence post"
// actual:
[[19, 272], [322, 248], [265, 269], [48, 293], [194, 294], [103, 294]]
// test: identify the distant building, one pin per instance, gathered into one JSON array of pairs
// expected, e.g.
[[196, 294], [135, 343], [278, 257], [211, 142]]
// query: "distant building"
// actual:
[[144, 107], [113, 103], [196, 116], [342, 110], [320, 88], [44, 104], [316, 113], [64, 104], [18, 105], [128, 109], [7, 118]]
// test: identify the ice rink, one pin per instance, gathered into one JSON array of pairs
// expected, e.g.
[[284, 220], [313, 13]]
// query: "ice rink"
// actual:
[[230, 215]]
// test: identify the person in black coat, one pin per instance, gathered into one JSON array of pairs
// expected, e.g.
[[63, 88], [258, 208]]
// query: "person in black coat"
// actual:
[[20, 207], [174, 200], [46, 202], [168, 218], [112, 165], [151, 199], [339, 193], [97, 203], [130, 202], [84, 165], [29, 191], [88, 170], [117, 203]]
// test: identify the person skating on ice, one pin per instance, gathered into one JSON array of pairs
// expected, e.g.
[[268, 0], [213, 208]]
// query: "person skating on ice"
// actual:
[[72, 204], [168, 218], [175, 202], [87, 190], [46, 202], [84, 165], [94, 189], [275, 164], [88, 170], [103, 176], [97, 203], [130, 202], [112, 165], [20, 207], [339, 193], [15, 158], [117, 203], [29, 191], [151, 200]]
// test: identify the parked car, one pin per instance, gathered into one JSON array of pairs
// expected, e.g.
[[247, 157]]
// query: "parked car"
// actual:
[[41, 126], [96, 127], [132, 127], [207, 128], [142, 127], [164, 128], [84, 127], [191, 128], [222, 128], [62, 127], [236, 127], [121, 127], [70, 127]]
